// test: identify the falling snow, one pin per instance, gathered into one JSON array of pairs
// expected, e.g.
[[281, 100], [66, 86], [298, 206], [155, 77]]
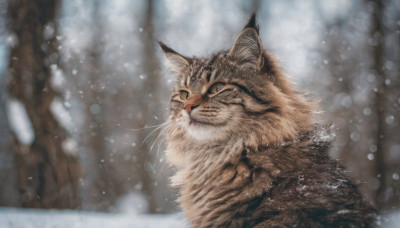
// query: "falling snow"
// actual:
[[102, 100]]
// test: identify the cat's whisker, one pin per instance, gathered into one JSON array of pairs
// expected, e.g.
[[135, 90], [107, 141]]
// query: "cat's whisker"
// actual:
[[159, 145], [159, 136], [161, 170], [146, 127], [160, 126], [158, 151]]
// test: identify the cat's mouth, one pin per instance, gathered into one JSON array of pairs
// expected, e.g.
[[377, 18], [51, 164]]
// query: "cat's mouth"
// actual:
[[196, 122], [199, 122]]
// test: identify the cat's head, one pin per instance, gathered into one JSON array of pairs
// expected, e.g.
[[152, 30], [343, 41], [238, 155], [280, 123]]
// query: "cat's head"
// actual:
[[239, 93]]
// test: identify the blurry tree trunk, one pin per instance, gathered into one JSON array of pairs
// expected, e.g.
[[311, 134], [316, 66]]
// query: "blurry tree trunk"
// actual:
[[149, 105], [48, 175], [345, 117], [370, 126], [9, 195], [104, 189], [377, 53], [345, 67]]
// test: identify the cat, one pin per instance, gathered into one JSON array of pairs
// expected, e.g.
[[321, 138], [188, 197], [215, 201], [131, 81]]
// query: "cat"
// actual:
[[246, 148]]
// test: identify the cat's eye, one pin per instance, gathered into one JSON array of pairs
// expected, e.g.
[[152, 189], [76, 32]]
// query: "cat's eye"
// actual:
[[183, 95], [216, 88]]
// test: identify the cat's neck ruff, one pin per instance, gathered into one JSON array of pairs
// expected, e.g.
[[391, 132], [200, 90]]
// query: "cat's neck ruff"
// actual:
[[198, 157]]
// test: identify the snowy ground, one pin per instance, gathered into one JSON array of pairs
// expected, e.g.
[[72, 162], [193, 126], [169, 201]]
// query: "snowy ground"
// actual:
[[391, 220], [29, 218]]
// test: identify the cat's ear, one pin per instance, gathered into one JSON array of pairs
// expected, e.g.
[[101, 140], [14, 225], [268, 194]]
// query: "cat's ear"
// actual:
[[248, 47], [176, 62]]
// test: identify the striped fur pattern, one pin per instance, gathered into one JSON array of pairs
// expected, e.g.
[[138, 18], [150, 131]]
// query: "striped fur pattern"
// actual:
[[247, 153]]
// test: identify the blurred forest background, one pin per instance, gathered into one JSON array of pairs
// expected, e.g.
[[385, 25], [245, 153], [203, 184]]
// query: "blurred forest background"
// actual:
[[83, 87]]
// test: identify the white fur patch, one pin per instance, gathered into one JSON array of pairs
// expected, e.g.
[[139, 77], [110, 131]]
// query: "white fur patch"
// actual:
[[206, 133], [203, 132]]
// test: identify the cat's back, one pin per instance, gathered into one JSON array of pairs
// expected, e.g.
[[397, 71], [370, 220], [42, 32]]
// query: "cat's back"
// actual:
[[320, 195]]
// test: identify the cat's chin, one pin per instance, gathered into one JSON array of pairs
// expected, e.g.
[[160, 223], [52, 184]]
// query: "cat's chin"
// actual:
[[204, 132]]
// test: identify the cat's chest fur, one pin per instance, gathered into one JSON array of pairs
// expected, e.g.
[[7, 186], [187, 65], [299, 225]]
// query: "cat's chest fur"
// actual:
[[215, 190], [276, 186]]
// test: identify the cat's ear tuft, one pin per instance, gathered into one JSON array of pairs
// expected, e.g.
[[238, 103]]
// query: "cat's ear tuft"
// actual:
[[248, 47], [253, 23], [176, 62]]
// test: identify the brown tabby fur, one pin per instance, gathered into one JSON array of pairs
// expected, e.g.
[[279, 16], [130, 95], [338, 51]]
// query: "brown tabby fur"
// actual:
[[249, 155]]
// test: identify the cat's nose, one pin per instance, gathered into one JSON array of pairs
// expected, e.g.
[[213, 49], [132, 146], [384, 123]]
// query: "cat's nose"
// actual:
[[192, 102]]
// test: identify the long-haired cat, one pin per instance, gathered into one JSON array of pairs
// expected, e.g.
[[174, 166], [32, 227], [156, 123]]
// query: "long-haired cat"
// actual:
[[246, 149]]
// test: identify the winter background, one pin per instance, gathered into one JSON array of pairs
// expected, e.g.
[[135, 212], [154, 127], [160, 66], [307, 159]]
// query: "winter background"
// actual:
[[112, 90]]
